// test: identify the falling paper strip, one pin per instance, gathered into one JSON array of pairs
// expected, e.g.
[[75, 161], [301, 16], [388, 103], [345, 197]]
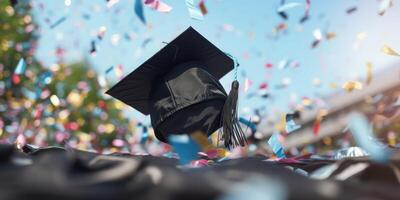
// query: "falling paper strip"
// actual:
[[185, 146], [158, 5], [389, 51], [21, 66], [276, 145], [194, 12], [363, 135], [139, 10]]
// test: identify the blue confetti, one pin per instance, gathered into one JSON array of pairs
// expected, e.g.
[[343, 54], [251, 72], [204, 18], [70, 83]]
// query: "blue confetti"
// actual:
[[139, 10], [276, 146], [144, 136], [21, 66], [291, 124], [109, 69], [58, 22], [185, 146]]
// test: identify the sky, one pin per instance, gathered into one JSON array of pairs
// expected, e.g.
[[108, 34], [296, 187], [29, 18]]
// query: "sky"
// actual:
[[242, 28]]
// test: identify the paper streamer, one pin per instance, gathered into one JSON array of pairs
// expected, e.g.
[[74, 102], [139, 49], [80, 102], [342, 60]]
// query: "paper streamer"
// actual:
[[276, 145], [194, 12], [139, 10], [249, 124]]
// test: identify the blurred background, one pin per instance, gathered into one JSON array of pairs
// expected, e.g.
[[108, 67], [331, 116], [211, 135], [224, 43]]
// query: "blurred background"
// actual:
[[322, 60]]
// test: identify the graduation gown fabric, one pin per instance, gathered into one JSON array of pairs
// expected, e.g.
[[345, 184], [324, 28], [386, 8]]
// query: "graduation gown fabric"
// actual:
[[56, 173]]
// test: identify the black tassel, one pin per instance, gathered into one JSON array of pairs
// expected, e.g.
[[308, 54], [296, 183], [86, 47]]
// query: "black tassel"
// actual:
[[232, 133]]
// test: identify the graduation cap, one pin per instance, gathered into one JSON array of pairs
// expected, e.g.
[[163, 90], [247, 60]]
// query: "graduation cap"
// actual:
[[179, 87]]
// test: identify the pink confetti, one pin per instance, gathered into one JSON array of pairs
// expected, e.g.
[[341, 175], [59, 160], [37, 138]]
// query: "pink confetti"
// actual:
[[158, 5]]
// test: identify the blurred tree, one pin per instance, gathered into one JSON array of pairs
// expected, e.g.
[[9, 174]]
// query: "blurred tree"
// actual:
[[55, 105]]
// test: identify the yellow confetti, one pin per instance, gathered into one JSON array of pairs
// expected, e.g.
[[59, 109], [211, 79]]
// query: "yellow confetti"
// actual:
[[74, 98], [389, 51], [351, 85], [330, 35], [369, 73], [202, 140], [54, 100]]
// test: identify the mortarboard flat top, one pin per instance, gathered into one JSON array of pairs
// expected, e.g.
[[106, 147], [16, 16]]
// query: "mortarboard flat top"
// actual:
[[134, 89]]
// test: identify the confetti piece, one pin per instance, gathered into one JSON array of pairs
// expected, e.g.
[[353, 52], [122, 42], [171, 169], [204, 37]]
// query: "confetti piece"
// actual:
[[276, 145], [158, 5], [54, 100], [369, 73], [363, 135], [93, 48], [146, 42], [389, 51], [349, 86], [101, 32], [351, 10], [316, 127], [268, 65], [263, 86], [194, 12], [58, 22], [307, 12], [384, 6], [144, 136], [21, 66], [202, 7], [247, 84], [283, 14], [119, 71], [288, 6], [109, 69], [317, 34], [139, 11], [185, 146], [330, 35], [290, 122], [16, 79], [111, 3], [20, 141]]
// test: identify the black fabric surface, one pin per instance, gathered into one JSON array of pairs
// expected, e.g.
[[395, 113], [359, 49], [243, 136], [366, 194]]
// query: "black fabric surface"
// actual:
[[72, 174]]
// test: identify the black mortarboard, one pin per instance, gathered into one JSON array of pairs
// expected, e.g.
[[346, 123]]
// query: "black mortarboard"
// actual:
[[179, 87]]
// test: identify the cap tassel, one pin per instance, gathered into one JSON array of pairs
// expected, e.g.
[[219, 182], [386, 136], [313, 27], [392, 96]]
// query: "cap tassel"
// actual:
[[233, 134]]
